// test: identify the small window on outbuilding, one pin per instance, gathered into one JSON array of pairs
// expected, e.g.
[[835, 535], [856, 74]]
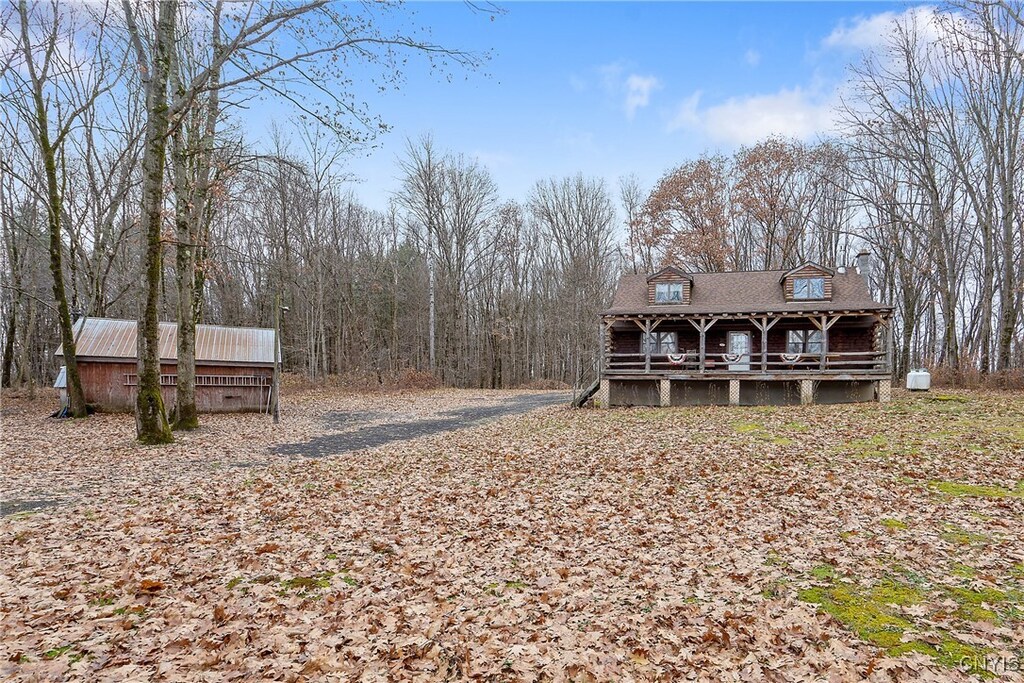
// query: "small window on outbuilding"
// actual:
[[808, 288], [803, 341], [668, 292]]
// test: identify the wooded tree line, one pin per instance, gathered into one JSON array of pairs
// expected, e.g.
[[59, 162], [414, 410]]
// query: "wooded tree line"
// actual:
[[454, 278], [926, 172]]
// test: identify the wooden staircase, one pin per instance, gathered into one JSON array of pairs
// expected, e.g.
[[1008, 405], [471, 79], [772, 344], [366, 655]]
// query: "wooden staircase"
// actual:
[[581, 398]]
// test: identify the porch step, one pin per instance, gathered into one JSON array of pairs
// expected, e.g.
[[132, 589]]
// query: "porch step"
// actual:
[[583, 397]]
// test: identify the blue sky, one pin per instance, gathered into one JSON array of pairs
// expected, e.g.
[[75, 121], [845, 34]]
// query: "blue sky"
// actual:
[[613, 88]]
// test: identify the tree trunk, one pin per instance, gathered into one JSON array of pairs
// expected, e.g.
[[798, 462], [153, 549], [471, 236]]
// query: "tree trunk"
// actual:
[[150, 418], [191, 212], [8, 361], [53, 222]]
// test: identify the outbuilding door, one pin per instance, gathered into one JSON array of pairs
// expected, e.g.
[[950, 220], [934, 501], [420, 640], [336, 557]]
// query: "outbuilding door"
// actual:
[[739, 351]]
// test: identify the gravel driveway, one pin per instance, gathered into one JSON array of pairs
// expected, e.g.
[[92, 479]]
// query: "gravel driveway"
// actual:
[[401, 429]]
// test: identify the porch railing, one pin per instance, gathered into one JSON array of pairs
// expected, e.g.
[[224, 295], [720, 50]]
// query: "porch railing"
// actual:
[[834, 362]]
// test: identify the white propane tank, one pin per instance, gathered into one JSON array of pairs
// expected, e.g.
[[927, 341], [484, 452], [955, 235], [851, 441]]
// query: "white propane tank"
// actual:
[[919, 380]]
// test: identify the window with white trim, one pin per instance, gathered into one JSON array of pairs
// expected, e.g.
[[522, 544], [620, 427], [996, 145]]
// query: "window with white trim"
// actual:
[[808, 288], [668, 292], [803, 341]]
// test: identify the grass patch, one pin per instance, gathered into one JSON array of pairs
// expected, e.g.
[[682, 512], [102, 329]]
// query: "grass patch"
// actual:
[[956, 489], [964, 571], [948, 398], [824, 572], [747, 427], [893, 524], [876, 446], [958, 536], [308, 583], [497, 588], [56, 652]]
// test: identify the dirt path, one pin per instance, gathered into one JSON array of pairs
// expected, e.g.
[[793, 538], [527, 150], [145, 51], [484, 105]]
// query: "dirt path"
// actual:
[[399, 429]]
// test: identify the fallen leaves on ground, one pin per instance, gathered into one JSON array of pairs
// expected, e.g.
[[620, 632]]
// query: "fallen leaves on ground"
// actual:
[[809, 543]]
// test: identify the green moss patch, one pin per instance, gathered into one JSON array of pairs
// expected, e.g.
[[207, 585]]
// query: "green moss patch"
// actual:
[[877, 446], [871, 620], [949, 652], [948, 398], [875, 614], [893, 524], [955, 488], [747, 427], [890, 592], [824, 572], [954, 534]]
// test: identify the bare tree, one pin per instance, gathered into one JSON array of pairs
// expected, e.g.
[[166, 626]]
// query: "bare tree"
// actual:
[[58, 87]]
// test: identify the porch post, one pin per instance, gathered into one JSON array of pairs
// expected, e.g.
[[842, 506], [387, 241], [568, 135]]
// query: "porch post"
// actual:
[[888, 346], [703, 336], [647, 346], [764, 344], [764, 341], [824, 341]]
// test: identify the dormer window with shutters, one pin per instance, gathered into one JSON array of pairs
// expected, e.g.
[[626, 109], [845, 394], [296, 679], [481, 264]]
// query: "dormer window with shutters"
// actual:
[[808, 282], [669, 286]]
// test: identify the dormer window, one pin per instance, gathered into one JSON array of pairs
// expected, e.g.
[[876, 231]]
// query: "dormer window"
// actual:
[[668, 293], [808, 288], [808, 282], [669, 286]]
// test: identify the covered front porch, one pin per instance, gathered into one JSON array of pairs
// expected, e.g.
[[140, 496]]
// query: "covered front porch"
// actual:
[[768, 358], [761, 347]]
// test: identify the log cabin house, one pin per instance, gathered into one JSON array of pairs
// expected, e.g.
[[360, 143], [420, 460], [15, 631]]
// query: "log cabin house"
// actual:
[[804, 335], [234, 365]]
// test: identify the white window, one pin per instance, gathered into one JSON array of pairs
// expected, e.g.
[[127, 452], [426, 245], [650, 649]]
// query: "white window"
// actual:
[[803, 341], [668, 292], [660, 343], [808, 288]]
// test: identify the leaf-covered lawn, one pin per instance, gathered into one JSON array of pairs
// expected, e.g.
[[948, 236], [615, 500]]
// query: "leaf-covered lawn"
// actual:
[[798, 543]]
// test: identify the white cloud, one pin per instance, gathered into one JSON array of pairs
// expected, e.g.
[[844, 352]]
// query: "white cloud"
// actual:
[[793, 113], [632, 89], [638, 92], [801, 111], [869, 32]]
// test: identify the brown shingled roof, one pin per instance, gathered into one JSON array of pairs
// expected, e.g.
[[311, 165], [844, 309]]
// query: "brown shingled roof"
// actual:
[[742, 292]]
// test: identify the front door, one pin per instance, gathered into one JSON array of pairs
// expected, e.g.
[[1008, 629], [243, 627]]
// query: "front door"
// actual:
[[739, 350]]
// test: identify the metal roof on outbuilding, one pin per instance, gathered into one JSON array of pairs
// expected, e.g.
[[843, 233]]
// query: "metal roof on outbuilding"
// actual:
[[116, 339]]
